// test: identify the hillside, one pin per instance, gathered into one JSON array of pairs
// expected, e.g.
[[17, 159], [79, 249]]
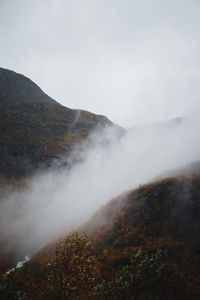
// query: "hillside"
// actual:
[[36, 132], [162, 215], [35, 129], [156, 224]]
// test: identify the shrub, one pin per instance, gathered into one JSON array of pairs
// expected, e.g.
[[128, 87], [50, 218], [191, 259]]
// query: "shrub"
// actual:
[[139, 277], [8, 289]]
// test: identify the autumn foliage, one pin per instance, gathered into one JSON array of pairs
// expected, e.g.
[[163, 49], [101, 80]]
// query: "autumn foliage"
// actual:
[[75, 268], [161, 216]]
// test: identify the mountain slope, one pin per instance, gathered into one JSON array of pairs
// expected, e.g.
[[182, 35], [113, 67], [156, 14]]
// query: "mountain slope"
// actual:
[[162, 215], [34, 129]]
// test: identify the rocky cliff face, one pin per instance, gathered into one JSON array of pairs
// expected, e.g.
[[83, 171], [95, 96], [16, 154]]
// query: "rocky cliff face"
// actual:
[[35, 129]]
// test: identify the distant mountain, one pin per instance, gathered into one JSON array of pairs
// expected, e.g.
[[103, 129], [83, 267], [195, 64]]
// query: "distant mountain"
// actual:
[[34, 128]]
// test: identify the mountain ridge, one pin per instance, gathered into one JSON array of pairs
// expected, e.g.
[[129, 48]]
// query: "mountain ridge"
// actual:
[[35, 129]]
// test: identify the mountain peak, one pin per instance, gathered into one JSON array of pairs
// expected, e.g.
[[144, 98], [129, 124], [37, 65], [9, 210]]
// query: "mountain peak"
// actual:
[[34, 128], [17, 87]]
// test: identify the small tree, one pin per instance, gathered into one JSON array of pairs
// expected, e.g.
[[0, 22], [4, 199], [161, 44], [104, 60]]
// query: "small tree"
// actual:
[[74, 273], [9, 290]]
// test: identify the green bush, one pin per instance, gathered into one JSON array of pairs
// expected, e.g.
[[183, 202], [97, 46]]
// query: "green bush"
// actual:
[[139, 277], [8, 289]]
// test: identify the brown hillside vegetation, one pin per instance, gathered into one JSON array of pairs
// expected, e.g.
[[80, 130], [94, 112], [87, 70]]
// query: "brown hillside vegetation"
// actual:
[[159, 216]]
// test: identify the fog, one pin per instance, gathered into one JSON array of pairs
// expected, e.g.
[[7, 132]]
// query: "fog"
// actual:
[[137, 62], [56, 202]]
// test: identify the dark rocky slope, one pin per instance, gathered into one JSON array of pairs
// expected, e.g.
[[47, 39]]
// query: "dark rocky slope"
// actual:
[[34, 129]]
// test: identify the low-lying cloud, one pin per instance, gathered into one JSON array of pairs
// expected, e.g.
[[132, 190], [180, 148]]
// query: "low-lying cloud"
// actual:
[[56, 202]]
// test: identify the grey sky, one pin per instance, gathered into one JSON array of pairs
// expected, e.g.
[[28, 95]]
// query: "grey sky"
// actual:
[[133, 61]]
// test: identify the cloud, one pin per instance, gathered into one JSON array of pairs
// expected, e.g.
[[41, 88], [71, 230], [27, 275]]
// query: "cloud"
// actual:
[[135, 62], [56, 202]]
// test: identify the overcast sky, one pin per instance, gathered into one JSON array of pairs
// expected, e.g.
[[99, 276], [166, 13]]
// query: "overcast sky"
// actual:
[[133, 61]]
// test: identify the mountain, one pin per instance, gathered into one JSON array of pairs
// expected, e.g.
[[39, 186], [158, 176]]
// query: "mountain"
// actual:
[[34, 128], [37, 132], [163, 215]]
